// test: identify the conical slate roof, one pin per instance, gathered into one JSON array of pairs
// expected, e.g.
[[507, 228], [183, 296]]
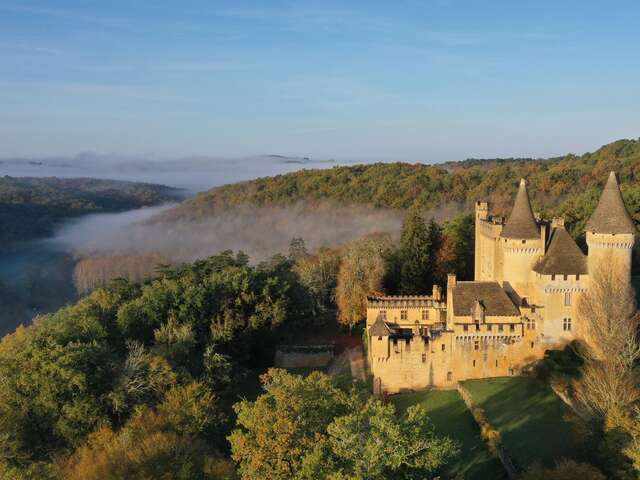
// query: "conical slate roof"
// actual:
[[611, 215], [379, 328], [521, 223], [563, 257]]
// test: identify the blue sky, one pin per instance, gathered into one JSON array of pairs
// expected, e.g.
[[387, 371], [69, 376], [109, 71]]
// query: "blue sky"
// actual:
[[370, 80]]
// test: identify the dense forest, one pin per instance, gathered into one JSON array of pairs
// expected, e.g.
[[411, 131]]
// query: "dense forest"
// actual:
[[144, 381], [568, 185], [31, 207]]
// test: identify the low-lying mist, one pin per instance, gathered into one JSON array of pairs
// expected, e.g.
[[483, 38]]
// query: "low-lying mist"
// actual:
[[260, 232]]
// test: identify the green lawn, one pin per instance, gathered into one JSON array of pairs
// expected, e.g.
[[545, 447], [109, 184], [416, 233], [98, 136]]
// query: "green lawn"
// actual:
[[451, 418], [535, 424]]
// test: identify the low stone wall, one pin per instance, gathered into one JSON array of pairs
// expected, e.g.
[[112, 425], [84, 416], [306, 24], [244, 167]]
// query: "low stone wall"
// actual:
[[304, 356], [489, 434]]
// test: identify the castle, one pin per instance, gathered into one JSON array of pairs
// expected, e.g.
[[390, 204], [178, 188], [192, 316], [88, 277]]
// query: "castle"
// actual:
[[529, 276]]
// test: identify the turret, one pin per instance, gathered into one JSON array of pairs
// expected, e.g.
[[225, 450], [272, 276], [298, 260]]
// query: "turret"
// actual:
[[610, 230], [522, 244]]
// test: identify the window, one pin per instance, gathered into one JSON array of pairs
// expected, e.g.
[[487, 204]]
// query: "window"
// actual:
[[383, 314], [553, 277], [474, 363], [403, 314], [567, 299], [578, 277], [425, 314], [531, 344], [443, 347], [565, 277], [466, 328], [512, 328], [407, 341], [496, 363], [500, 328], [449, 376], [424, 357], [566, 324], [395, 342], [489, 327], [531, 324], [379, 338], [476, 345]]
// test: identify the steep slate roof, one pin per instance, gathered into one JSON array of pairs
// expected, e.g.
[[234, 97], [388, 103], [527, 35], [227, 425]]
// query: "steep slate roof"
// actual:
[[563, 256], [611, 215], [379, 328], [494, 299], [521, 223]]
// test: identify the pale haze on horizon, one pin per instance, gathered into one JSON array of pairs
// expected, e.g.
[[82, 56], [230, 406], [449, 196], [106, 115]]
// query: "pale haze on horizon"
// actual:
[[364, 80]]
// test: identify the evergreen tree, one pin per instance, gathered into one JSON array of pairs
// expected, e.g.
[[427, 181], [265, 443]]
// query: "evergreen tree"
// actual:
[[416, 253]]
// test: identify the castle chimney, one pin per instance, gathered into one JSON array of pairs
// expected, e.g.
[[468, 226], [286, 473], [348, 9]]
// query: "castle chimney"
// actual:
[[437, 293], [451, 280]]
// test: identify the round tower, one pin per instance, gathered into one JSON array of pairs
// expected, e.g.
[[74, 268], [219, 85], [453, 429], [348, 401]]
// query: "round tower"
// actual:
[[610, 231], [521, 244]]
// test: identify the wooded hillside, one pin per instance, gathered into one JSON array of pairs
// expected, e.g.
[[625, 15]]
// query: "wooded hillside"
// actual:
[[568, 185]]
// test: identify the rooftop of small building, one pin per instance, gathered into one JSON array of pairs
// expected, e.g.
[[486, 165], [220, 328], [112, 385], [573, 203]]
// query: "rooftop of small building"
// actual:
[[493, 297]]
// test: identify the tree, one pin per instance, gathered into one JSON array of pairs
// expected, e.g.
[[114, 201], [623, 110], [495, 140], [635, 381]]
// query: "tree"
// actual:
[[416, 254], [297, 249], [194, 409], [319, 274], [310, 429], [275, 432], [607, 313], [607, 387], [564, 470], [148, 446], [456, 252], [372, 443], [361, 273]]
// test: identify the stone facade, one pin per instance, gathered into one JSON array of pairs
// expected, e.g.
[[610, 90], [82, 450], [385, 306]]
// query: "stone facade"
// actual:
[[529, 276]]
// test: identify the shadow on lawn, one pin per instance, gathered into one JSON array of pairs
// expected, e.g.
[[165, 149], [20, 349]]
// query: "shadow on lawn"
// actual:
[[474, 461], [534, 423]]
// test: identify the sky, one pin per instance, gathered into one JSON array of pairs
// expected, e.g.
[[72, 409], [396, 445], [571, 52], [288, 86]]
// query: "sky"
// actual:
[[423, 81]]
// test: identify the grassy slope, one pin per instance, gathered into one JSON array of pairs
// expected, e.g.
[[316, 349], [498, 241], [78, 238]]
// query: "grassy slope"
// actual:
[[568, 185], [533, 421], [451, 417]]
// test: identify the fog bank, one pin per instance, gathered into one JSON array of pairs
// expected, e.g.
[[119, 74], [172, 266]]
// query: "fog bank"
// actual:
[[192, 173], [260, 232]]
